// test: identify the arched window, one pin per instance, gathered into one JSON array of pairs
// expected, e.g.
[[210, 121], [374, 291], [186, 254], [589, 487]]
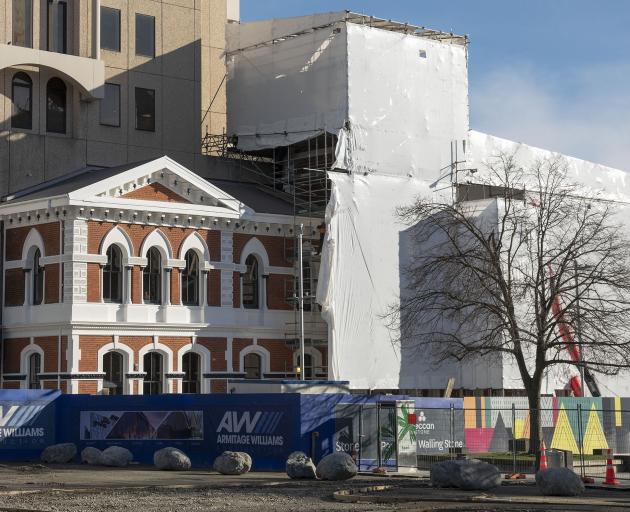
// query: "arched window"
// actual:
[[153, 370], [253, 365], [34, 368], [56, 106], [308, 369], [112, 275], [113, 368], [38, 278], [152, 277], [22, 101], [190, 280], [251, 284], [191, 366]]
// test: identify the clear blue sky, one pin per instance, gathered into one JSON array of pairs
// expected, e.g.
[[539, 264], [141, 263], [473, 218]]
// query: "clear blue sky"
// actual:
[[552, 73]]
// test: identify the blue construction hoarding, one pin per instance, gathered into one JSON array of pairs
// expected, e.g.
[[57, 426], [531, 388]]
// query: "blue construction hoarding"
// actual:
[[267, 426], [27, 422]]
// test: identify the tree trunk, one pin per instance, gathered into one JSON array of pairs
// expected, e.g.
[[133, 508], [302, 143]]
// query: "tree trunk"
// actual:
[[535, 419]]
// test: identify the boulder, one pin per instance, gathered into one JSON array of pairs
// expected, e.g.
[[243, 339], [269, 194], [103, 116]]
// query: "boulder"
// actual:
[[559, 482], [59, 453], [300, 465], [171, 458], [92, 456], [336, 466], [466, 474], [116, 456], [232, 463]]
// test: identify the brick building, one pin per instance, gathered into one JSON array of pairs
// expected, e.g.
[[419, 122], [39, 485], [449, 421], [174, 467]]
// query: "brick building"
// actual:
[[147, 279]]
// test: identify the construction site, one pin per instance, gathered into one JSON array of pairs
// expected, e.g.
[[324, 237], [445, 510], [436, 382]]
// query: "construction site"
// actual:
[[303, 121]]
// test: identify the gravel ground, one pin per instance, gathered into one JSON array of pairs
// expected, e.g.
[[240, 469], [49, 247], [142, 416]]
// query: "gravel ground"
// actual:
[[37, 487]]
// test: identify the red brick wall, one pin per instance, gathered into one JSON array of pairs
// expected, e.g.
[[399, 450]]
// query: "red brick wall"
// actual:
[[49, 345], [12, 349], [218, 386], [14, 287], [238, 344], [217, 348], [93, 282], [236, 289], [174, 343], [281, 355], [175, 287], [276, 290], [274, 245], [88, 387], [12, 384], [51, 280], [137, 233], [89, 346], [136, 285], [15, 238], [155, 192], [214, 288]]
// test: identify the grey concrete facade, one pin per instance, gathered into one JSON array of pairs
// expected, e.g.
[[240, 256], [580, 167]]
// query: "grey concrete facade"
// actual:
[[186, 74]]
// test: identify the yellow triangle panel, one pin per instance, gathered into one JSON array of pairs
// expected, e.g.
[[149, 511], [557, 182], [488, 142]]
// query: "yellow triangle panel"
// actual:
[[563, 438], [594, 436]]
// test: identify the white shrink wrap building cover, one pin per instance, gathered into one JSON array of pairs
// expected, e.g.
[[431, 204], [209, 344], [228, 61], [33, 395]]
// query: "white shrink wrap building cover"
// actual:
[[396, 101], [366, 250]]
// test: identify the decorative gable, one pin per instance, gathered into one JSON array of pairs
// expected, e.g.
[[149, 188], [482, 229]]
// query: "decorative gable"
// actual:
[[155, 192]]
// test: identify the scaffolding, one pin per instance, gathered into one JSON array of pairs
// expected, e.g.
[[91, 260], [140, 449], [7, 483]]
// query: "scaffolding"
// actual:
[[297, 174]]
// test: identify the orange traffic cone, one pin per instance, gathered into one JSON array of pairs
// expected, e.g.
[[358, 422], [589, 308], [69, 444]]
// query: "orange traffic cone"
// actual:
[[610, 471], [543, 457]]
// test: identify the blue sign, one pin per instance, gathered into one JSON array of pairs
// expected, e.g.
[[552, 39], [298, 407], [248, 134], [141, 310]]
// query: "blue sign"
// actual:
[[27, 422]]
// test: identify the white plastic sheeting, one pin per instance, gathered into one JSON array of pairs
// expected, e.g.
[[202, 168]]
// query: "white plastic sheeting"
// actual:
[[360, 280], [613, 184], [396, 101]]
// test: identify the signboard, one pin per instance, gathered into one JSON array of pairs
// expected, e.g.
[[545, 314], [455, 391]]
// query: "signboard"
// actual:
[[27, 421], [141, 425], [256, 430], [438, 430], [406, 422]]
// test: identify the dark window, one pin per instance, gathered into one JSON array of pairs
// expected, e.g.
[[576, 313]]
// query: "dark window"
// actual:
[[110, 29], [22, 22], [22, 101], [190, 280], [112, 275], [113, 368], [152, 277], [253, 363], [109, 110], [38, 278], [58, 26], [145, 109], [191, 365], [153, 370], [34, 367], [145, 35], [251, 284], [308, 368], [56, 106]]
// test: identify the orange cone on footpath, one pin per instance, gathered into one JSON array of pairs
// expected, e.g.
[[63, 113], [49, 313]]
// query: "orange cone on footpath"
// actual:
[[543, 457], [611, 479]]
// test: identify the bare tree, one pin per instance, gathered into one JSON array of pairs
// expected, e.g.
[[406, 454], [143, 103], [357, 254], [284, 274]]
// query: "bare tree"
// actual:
[[540, 273]]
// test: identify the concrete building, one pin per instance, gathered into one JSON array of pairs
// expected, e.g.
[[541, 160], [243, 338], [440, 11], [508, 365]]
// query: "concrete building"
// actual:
[[108, 82]]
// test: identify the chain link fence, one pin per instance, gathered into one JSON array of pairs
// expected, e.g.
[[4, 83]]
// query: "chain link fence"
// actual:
[[395, 437]]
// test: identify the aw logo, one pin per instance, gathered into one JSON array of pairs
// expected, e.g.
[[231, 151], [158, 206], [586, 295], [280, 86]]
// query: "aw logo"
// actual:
[[250, 428], [257, 423], [15, 421]]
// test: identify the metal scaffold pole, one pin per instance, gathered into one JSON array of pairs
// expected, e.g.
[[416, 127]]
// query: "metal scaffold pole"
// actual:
[[301, 302]]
